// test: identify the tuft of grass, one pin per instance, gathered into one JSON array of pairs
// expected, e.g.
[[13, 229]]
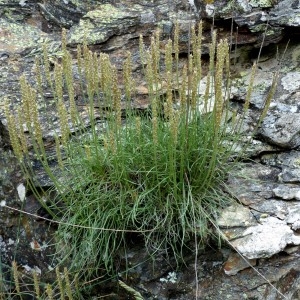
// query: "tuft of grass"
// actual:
[[160, 174]]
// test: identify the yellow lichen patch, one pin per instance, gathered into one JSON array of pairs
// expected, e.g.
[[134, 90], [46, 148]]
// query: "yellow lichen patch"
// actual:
[[105, 13], [262, 3]]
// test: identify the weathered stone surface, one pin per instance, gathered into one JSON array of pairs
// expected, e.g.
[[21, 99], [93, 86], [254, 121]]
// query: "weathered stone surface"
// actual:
[[291, 82], [270, 207], [15, 10], [268, 194], [104, 22], [62, 13], [285, 13], [287, 192], [23, 238], [282, 129], [236, 216], [264, 17], [16, 38], [293, 217], [253, 183], [265, 239], [288, 162], [236, 263], [276, 220]]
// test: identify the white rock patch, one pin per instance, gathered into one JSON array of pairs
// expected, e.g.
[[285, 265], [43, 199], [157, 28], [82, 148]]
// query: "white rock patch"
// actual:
[[291, 81], [21, 191], [266, 239]]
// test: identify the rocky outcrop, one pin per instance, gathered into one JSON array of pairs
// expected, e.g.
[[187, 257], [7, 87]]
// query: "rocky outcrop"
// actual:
[[266, 19], [263, 224]]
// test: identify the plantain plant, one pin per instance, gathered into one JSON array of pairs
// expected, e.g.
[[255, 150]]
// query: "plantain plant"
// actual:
[[159, 174]]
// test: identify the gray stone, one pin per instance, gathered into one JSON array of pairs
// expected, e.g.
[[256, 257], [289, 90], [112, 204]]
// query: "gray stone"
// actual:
[[265, 239], [282, 130], [63, 13], [287, 192], [236, 216], [253, 183], [293, 216], [289, 164], [285, 13], [290, 175], [291, 81], [104, 22], [18, 38], [253, 15], [270, 207]]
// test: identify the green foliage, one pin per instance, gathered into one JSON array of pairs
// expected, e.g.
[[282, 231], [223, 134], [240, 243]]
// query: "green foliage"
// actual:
[[159, 174]]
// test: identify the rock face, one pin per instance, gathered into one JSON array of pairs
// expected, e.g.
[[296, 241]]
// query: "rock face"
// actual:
[[258, 16], [263, 225], [104, 22]]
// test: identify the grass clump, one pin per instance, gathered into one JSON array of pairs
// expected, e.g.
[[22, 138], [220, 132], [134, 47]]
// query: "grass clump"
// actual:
[[160, 174]]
